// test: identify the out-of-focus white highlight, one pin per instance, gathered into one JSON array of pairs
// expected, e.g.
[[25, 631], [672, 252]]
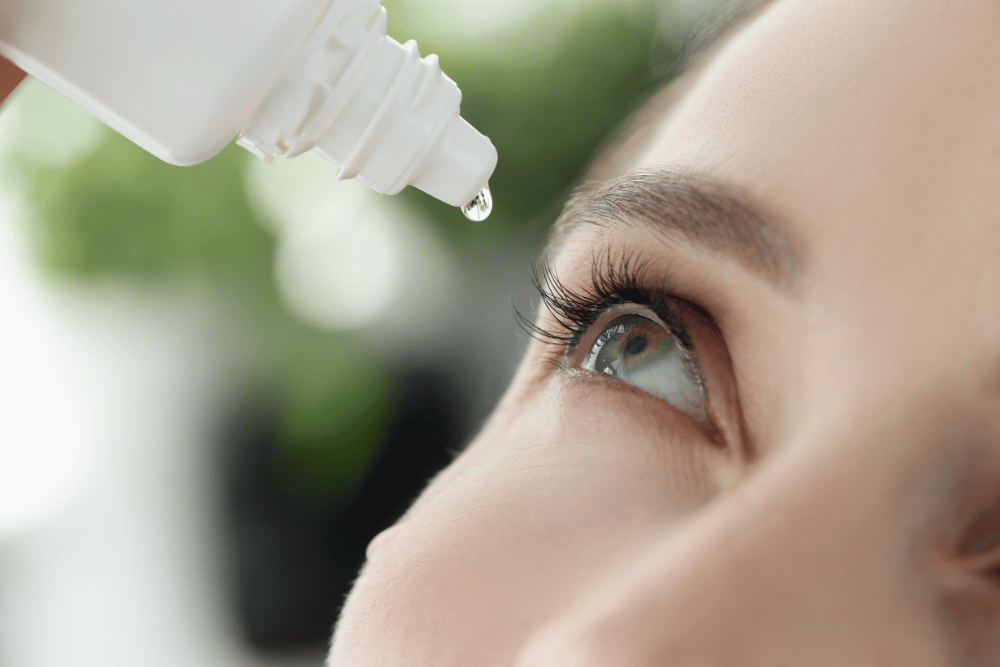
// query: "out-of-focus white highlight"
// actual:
[[46, 453], [320, 269], [347, 257], [106, 503], [46, 450]]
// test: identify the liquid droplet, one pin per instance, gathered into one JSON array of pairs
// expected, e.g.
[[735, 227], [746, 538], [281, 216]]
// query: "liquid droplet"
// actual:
[[479, 208]]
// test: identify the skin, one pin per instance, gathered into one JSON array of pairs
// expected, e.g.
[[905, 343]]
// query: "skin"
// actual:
[[10, 76], [844, 520]]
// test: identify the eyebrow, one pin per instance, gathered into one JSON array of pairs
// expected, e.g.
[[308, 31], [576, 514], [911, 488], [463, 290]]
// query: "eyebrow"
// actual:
[[704, 212]]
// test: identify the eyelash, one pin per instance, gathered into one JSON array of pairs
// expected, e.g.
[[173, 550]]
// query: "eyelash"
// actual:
[[615, 281]]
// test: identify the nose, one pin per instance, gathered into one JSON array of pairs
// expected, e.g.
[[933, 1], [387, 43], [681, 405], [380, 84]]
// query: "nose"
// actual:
[[820, 558]]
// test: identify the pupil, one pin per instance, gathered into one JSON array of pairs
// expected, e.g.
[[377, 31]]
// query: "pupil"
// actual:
[[636, 345]]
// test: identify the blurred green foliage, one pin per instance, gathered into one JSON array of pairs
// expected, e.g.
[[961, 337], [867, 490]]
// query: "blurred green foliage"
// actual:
[[546, 118], [119, 212]]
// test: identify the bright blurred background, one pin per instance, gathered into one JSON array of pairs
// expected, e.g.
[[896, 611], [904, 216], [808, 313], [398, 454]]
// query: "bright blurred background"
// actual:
[[221, 381]]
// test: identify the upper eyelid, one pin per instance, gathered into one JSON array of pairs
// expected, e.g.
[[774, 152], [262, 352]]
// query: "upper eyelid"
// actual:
[[664, 314], [614, 280]]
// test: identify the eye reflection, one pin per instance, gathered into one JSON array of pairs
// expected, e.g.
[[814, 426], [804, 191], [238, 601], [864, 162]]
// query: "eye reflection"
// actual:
[[641, 352]]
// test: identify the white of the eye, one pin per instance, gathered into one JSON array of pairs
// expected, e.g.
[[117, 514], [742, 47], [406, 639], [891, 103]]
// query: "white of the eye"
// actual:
[[665, 377]]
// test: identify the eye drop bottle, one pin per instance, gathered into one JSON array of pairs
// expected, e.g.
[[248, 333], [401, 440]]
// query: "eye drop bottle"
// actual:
[[181, 78]]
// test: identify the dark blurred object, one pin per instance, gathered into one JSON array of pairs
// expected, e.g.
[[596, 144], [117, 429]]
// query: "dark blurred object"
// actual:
[[294, 563]]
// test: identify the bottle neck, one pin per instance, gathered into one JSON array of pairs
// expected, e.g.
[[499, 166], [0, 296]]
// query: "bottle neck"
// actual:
[[374, 108]]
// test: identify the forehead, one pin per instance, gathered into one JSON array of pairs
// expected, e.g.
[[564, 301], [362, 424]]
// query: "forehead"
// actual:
[[836, 110], [874, 128]]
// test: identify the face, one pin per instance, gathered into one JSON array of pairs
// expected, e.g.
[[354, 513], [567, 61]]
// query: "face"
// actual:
[[761, 422]]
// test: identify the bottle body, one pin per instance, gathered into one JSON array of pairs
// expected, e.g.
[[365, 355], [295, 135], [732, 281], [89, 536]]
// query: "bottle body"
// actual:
[[181, 78], [178, 77]]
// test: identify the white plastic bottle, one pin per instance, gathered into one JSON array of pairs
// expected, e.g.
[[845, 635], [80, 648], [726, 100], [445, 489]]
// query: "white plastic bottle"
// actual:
[[181, 78]]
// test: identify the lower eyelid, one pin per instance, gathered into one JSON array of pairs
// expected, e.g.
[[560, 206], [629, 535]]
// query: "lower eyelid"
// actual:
[[657, 408]]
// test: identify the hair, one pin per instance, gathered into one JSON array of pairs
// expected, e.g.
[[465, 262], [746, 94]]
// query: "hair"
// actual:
[[619, 151]]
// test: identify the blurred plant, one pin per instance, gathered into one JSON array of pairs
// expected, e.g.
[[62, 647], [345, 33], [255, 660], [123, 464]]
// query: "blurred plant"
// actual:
[[118, 211]]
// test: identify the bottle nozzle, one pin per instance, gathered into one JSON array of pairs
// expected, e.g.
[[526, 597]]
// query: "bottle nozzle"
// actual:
[[458, 169]]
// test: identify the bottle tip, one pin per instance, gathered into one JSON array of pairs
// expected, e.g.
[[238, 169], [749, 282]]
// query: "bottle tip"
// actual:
[[459, 165], [479, 208]]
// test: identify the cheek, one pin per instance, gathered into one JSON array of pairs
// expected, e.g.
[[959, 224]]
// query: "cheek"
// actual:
[[540, 507]]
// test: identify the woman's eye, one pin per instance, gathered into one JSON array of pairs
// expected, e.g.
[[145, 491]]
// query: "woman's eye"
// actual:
[[641, 352]]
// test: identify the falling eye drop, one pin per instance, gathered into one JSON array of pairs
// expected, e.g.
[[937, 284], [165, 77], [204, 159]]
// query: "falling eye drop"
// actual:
[[181, 78], [479, 208]]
